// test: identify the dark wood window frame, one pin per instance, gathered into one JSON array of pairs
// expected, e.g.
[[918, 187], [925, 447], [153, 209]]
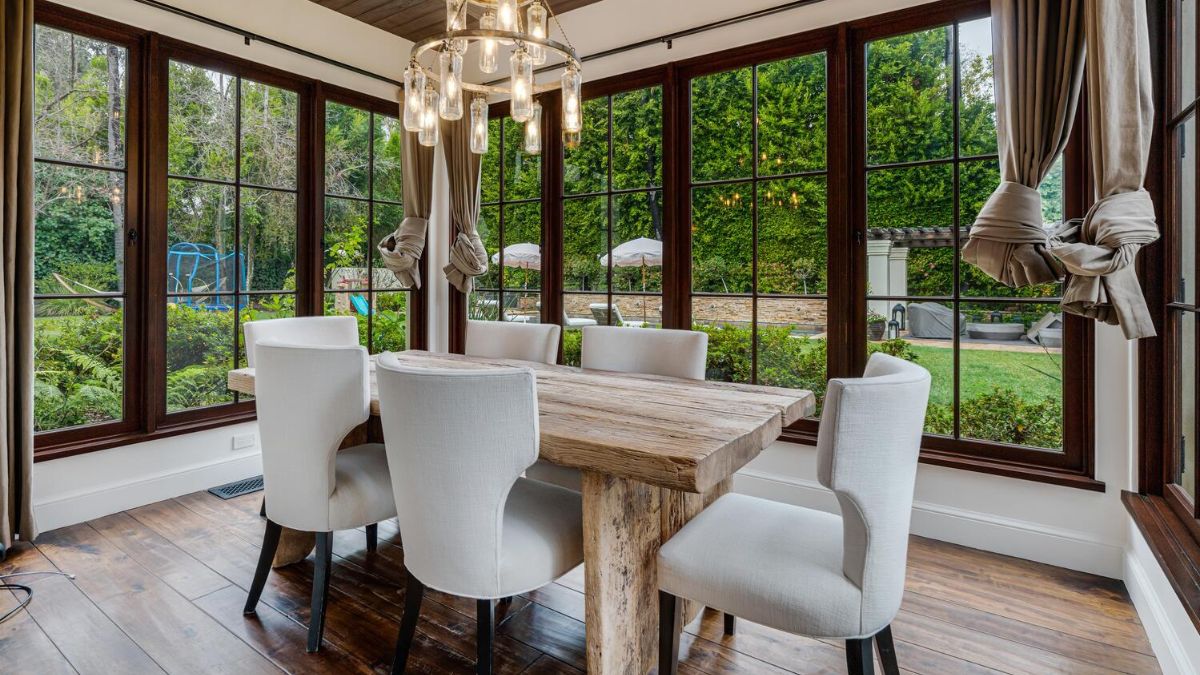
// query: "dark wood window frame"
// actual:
[[844, 45], [149, 53]]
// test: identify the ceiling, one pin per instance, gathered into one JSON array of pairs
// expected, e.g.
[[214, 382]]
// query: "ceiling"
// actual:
[[416, 19]]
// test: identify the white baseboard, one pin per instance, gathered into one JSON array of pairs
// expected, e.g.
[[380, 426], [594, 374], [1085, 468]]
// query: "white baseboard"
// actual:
[[118, 496], [1175, 641], [984, 531]]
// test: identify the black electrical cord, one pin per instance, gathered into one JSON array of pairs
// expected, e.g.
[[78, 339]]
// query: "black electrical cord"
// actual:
[[28, 591]]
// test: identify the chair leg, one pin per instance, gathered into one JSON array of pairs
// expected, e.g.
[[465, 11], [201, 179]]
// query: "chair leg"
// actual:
[[408, 624], [485, 621], [670, 620], [860, 658], [320, 590], [373, 537], [887, 651], [262, 510], [730, 623], [265, 557]]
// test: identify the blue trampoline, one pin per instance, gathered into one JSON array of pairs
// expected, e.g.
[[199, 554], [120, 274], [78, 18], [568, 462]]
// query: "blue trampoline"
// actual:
[[204, 272]]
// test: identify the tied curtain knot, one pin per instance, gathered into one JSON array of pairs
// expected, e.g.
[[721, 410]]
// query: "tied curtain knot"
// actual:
[[468, 259], [401, 251], [1008, 241]]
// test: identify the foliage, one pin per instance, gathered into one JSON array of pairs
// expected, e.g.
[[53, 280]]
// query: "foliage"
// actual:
[[1004, 416]]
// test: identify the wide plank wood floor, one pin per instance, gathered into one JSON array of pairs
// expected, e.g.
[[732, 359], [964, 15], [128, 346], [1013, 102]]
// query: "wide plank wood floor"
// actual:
[[160, 589]]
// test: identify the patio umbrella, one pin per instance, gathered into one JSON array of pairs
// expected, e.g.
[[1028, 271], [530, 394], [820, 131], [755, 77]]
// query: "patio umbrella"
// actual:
[[640, 252], [522, 256]]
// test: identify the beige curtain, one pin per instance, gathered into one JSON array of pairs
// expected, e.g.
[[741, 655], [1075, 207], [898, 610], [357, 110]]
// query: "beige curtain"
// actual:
[[1099, 254], [401, 250], [468, 257], [1038, 48], [16, 272]]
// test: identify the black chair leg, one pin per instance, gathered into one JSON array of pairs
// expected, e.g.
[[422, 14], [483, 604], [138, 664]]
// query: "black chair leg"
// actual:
[[860, 658], [373, 537], [320, 590], [265, 557], [506, 599], [887, 651], [485, 621], [730, 623], [670, 622], [408, 624]]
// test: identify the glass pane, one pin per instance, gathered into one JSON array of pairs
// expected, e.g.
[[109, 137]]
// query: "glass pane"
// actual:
[[977, 107], [269, 117], [80, 89], [269, 239], [489, 170], [722, 125], [347, 150], [349, 304], [637, 241], [585, 169], [78, 376], [637, 310], [389, 158], [977, 181], [389, 325], [201, 126], [791, 344], [79, 238], [484, 306], [522, 171], [262, 308], [489, 232], [584, 309], [572, 346], [722, 233], [909, 111], [387, 219], [729, 324], [200, 237], [1186, 54], [585, 240], [1053, 206], [791, 115], [910, 244], [637, 139], [1186, 190], [521, 307], [522, 230], [345, 244], [925, 333], [1186, 458], [199, 352], [1011, 387], [792, 244]]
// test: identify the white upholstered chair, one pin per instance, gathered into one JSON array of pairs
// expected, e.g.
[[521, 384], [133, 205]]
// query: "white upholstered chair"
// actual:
[[308, 399], [507, 340], [674, 353], [806, 571], [301, 330], [457, 443]]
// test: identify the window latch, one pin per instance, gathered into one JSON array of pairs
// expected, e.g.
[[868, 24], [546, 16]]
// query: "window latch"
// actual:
[[132, 235]]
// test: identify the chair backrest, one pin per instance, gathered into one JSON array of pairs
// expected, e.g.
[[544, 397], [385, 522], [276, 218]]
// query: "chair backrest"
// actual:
[[674, 353], [308, 398], [508, 340], [867, 452], [457, 440], [301, 330]]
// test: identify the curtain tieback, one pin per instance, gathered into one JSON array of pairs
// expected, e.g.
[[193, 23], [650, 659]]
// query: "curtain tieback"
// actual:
[[468, 259], [401, 251], [1007, 240]]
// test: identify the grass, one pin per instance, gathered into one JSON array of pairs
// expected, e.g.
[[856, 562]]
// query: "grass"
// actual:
[[1033, 375]]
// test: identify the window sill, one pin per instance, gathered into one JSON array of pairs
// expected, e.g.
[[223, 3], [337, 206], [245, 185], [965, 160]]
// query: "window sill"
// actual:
[[50, 450], [1173, 544]]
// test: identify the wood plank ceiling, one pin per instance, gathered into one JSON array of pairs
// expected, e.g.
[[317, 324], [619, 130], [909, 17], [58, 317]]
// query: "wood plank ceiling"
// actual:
[[417, 19]]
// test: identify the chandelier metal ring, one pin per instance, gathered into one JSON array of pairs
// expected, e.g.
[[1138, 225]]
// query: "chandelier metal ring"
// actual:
[[435, 43]]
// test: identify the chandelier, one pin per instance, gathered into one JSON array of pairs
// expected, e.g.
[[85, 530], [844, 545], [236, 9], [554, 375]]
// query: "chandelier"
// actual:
[[517, 28]]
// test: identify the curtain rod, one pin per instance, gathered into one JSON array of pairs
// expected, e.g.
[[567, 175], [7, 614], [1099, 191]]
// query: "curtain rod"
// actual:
[[666, 39]]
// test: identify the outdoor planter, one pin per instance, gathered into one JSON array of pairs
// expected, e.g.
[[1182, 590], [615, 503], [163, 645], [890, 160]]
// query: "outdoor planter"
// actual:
[[996, 331]]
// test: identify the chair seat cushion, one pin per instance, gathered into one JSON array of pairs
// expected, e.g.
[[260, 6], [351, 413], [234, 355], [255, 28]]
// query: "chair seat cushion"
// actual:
[[362, 492], [555, 474], [770, 563], [542, 536]]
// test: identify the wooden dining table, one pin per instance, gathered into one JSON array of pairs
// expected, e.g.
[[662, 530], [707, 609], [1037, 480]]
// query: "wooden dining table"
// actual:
[[653, 452]]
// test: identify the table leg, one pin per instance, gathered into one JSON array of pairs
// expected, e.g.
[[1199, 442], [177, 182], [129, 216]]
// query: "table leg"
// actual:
[[622, 532], [677, 509]]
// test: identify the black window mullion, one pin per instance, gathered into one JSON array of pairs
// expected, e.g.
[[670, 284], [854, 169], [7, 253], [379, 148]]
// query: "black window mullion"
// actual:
[[608, 269], [371, 304], [754, 141], [239, 260], [955, 234]]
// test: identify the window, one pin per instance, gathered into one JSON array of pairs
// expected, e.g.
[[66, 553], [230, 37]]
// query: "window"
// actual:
[[231, 224], [83, 265], [510, 224], [363, 192], [613, 217], [759, 238]]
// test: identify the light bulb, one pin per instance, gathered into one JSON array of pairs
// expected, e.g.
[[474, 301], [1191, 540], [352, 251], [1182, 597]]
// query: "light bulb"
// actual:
[[570, 139], [572, 114], [487, 47], [479, 125], [522, 85], [456, 19], [508, 16], [535, 23], [414, 89], [428, 135], [450, 106], [533, 131]]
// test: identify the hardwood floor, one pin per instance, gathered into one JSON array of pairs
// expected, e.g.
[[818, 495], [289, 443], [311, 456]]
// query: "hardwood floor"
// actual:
[[160, 589]]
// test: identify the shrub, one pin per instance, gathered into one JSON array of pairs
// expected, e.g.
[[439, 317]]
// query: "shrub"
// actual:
[[1002, 416]]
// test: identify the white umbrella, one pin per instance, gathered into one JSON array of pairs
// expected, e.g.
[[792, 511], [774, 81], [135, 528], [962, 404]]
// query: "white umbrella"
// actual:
[[640, 252], [523, 256]]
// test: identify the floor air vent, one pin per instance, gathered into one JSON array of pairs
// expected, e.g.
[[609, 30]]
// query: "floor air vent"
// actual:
[[238, 488]]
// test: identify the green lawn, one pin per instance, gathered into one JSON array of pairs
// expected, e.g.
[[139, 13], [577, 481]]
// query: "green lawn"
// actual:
[[1033, 375]]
